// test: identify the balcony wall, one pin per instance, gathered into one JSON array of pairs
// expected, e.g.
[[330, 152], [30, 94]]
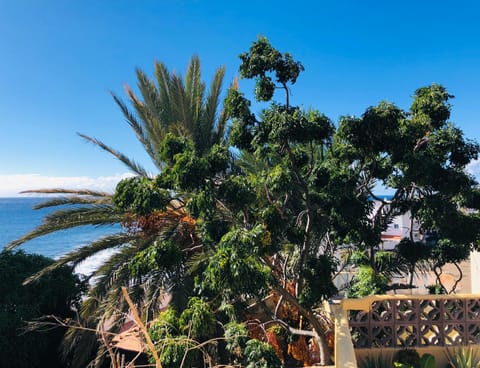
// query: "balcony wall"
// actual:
[[387, 323]]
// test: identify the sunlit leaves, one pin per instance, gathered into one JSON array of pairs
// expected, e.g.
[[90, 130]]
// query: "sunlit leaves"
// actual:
[[260, 355], [164, 255], [229, 269], [198, 320], [430, 106], [140, 196], [291, 124], [236, 191], [263, 60]]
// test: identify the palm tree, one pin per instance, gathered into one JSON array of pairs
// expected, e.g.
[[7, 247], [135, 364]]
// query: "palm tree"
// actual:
[[168, 104], [173, 105]]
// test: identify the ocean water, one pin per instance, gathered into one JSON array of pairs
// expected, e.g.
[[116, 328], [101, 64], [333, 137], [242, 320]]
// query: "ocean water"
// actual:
[[17, 217]]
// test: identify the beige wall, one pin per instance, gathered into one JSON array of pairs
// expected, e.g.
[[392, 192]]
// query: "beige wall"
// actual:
[[475, 272], [345, 354]]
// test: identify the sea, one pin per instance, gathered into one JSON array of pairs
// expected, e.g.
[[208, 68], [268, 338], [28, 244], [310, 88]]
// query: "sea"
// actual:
[[17, 217]]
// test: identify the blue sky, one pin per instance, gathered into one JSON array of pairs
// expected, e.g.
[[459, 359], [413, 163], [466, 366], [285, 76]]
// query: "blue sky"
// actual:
[[60, 59]]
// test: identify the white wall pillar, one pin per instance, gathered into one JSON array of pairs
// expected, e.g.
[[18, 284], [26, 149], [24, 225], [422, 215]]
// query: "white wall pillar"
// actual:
[[475, 272]]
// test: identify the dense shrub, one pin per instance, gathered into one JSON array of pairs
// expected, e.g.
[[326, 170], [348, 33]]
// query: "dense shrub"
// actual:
[[54, 294]]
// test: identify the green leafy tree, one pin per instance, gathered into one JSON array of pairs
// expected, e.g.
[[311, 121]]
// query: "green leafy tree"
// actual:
[[421, 157], [370, 280], [307, 192], [56, 294], [156, 232], [259, 234], [261, 230], [260, 355], [414, 254]]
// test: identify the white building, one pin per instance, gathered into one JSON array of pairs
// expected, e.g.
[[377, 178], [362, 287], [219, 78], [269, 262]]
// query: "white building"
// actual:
[[399, 228]]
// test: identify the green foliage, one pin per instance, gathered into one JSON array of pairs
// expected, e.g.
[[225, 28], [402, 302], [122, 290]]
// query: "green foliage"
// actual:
[[251, 241], [283, 123], [413, 252], [238, 107], [163, 255], [448, 252], [435, 289], [375, 131], [236, 336], [407, 358], [279, 179], [376, 361], [427, 361], [179, 352], [463, 357], [318, 273], [229, 269], [202, 203], [387, 263], [218, 159], [189, 171], [166, 325], [174, 348], [52, 295], [173, 145], [236, 191], [431, 106], [374, 275], [198, 320], [140, 195], [368, 282], [262, 60], [260, 355]]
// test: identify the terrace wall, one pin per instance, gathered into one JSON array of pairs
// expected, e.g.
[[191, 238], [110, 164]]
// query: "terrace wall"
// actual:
[[386, 323]]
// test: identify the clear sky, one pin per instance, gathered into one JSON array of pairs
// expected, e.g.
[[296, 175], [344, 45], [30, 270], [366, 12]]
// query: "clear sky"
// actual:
[[59, 60]]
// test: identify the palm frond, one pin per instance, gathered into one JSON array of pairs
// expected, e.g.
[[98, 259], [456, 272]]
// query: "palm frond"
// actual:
[[248, 163], [156, 288], [147, 108], [182, 110], [70, 218], [132, 165], [79, 346], [194, 89], [137, 128], [149, 93], [79, 255], [113, 268], [219, 134], [110, 278], [74, 200], [164, 82], [155, 122], [197, 260], [80, 192], [211, 105]]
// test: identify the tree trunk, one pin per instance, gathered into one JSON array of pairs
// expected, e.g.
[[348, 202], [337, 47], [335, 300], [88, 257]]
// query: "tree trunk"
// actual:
[[320, 338]]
